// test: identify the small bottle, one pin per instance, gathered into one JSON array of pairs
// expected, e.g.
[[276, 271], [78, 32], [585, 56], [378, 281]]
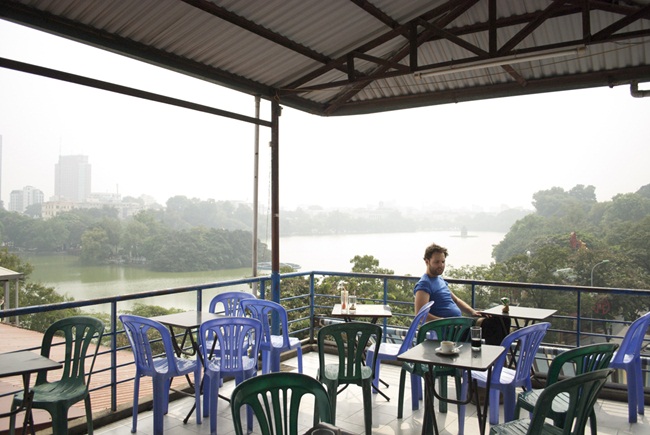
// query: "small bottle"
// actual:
[[506, 305]]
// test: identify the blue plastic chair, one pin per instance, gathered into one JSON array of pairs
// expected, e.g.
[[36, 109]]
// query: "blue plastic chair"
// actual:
[[389, 351], [141, 332], [82, 335], [229, 302], [505, 380], [628, 358], [229, 347], [272, 345]]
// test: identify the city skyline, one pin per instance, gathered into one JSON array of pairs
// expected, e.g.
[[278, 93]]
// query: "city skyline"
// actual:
[[478, 155]]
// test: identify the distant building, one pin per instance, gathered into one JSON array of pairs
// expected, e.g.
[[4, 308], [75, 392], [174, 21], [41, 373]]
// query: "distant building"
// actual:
[[72, 178], [21, 199], [53, 208]]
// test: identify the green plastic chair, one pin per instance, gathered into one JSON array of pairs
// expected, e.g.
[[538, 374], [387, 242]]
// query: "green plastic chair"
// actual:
[[580, 392], [581, 360], [452, 329], [351, 340], [276, 400], [82, 335]]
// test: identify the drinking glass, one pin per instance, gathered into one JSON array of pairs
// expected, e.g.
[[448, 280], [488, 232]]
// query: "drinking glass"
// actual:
[[476, 336], [352, 302]]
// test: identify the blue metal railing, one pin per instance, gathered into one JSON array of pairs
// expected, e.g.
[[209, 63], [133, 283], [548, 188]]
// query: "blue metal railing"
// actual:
[[310, 306]]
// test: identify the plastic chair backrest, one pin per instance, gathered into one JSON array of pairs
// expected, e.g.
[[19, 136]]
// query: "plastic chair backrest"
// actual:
[[142, 333], [633, 340], [78, 332], [450, 328], [230, 302], [351, 339], [528, 339], [276, 399], [264, 311], [583, 359], [418, 320], [236, 342], [582, 391]]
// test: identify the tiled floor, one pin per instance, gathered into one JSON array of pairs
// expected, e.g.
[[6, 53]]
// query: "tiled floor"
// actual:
[[612, 416]]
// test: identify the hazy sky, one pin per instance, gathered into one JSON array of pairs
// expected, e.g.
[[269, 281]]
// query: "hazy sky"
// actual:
[[477, 155]]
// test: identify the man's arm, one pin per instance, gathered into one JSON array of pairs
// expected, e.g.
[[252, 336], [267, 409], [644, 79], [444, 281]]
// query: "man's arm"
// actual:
[[421, 298], [464, 306]]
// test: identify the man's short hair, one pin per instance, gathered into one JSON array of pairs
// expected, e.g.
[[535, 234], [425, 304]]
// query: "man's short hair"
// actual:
[[434, 249]]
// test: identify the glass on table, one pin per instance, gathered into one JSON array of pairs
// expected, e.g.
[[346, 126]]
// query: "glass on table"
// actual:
[[352, 302], [476, 337]]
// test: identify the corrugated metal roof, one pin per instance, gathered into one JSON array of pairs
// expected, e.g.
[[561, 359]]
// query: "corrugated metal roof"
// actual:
[[340, 57]]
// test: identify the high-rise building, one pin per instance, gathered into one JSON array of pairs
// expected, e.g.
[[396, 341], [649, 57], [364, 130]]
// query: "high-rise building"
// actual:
[[72, 178], [21, 199]]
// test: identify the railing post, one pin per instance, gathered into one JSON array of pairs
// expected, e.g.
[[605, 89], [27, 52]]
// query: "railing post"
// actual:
[[385, 320], [474, 295], [114, 356], [578, 318], [312, 300]]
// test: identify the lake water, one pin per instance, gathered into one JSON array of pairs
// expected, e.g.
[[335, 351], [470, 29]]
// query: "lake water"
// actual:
[[400, 252]]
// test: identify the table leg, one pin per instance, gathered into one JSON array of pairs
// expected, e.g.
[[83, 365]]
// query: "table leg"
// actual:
[[482, 415], [429, 423], [28, 399]]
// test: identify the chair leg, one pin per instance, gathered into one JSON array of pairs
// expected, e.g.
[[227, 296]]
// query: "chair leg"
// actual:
[[160, 399], [632, 395], [416, 391], [494, 405], [367, 406], [332, 388], [371, 361], [213, 381], [197, 391], [249, 412], [593, 423], [299, 354], [206, 397], [89, 415], [461, 394], [509, 400], [136, 393], [59, 419], [266, 363], [375, 380], [638, 379], [442, 405], [400, 397]]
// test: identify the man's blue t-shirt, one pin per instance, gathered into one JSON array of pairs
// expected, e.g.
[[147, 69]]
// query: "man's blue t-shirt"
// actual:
[[438, 290]]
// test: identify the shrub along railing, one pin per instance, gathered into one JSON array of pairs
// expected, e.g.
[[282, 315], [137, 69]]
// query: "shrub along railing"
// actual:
[[582, 317]]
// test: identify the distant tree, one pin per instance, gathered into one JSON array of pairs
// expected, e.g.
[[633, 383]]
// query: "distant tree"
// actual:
[[95, 246], [32, 294], [626, 208], [34, 210], [644, 191]]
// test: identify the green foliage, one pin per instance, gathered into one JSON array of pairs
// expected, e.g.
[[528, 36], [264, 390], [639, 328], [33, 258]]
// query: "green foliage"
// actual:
[[539, 249], [144, 311], [192, 235], [33, 294]]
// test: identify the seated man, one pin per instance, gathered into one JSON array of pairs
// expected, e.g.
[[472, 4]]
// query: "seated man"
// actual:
[[431, 287]]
